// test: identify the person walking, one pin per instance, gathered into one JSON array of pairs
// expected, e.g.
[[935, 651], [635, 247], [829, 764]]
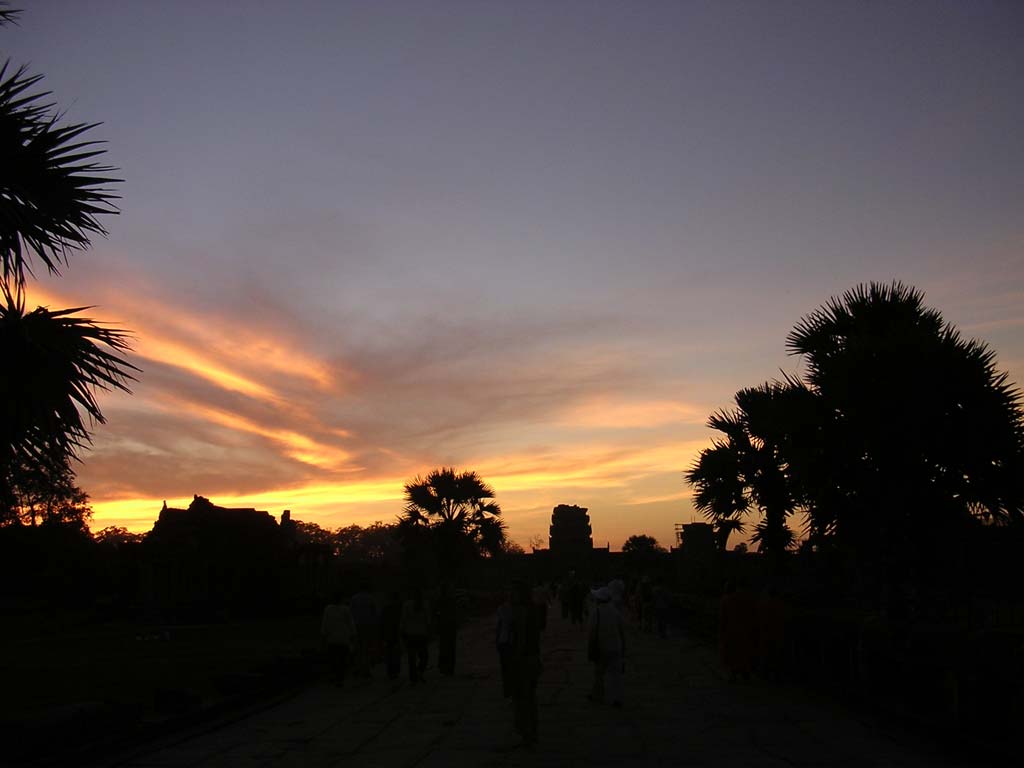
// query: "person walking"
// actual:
[[577, 597], [447, 625], [606, 649], [737, 631], [526, 662], [363, 606], [391, 634], [504, 640], [414, 625], [338, 634]]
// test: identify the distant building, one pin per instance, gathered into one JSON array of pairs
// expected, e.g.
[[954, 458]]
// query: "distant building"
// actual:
[[206, 558], [570, 532], [571, 548], [203, 515], [696, 539]]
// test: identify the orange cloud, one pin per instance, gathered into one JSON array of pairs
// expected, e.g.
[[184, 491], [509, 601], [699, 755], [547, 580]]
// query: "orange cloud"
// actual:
[[597, 466], [409, 414], [226, 354], [297, 445]]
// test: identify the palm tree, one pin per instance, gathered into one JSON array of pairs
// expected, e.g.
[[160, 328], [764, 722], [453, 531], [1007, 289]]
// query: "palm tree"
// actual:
[[918, 433], [718, 477], [747, 469], [52, 188], [456, 512], [55, 362], [51, 191]]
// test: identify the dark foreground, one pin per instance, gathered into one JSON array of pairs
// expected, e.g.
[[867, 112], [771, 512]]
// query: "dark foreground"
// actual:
[[679, 711]]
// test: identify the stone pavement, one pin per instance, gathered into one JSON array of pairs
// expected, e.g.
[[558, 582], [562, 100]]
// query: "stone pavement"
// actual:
[[679, 711]]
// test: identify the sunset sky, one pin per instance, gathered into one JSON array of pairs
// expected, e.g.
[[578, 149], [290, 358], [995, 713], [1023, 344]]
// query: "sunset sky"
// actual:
[[541, 240]]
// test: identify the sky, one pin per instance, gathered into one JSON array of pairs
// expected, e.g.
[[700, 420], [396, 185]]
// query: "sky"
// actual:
[[538, 240]]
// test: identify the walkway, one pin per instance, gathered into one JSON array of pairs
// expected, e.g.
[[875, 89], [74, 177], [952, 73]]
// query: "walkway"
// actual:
[[678, 712]]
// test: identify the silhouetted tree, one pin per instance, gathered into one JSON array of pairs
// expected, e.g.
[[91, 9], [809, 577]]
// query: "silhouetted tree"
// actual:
[[748, 469], [900, 437], [640, 550], [916, 433], [311, 533], [375, 542], [641, 544], [453, 512], [116, 536], [512, 548], [45, 494], [52, 190]]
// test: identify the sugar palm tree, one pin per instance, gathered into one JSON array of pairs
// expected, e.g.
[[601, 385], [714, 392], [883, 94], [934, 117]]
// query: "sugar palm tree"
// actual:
[[52, 190], [718, 478], [747, 470], [918, 429], [457, 512], [54, 363]]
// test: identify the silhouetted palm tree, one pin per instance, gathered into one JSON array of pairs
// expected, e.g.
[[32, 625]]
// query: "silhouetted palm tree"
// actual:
[[918, 433], [718, 478], [52, 189], [747, 470], [457, 511], [54, 364], [51, 192]]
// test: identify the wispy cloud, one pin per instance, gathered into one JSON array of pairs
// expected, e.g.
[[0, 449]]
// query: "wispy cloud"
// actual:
[[332, 425]]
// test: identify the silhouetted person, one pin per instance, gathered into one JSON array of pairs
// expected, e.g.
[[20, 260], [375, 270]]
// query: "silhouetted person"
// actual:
[[662, 607], [737, 632], [526, 660], [577, 595], [447, 624], [771, 633], [564, 596], [608, 632], [540, 599], [617, 587], [364, 614], [391, 634], [414, 625], [645, 601], [338, 633], [504, 640]]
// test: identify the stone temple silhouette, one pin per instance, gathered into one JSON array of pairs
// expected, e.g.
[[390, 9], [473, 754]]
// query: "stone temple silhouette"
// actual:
[[570, 532]]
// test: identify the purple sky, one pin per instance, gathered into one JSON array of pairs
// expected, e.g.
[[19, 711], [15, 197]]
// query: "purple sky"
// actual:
[[541, 240]]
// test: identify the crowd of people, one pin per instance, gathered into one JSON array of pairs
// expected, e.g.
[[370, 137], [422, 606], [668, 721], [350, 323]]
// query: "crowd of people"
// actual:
[[358, 630]]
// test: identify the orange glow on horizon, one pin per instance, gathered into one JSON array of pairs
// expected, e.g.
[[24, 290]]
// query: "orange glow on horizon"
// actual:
[[362, 501], [630, 485]]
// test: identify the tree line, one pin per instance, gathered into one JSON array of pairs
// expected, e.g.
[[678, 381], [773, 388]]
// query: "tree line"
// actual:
[[899, 439]]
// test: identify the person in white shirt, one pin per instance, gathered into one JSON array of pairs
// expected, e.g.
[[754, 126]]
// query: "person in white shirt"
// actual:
[[338, 634], [607, 631]]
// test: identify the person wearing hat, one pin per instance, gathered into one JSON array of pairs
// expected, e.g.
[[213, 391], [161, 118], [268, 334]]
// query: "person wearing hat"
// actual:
[[606, 648]]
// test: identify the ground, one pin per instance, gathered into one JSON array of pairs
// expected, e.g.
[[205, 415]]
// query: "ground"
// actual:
[[679, 711]]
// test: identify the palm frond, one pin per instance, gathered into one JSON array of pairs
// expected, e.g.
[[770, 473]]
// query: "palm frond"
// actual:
[[56, 362], [52, 189], [8, 15]]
